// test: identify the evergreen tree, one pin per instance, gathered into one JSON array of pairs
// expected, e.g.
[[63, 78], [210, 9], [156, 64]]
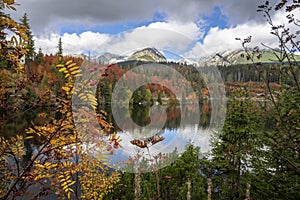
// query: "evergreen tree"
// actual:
[[147, 95], [2, 33], [137, 97], [60, 49], [277, 164], [181, 179], [30, 42], [11, 50], [2, 39], [232, 150], [39, 57], [159, 100]]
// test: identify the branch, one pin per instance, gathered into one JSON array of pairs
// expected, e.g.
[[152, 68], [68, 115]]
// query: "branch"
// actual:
[[27, 168]]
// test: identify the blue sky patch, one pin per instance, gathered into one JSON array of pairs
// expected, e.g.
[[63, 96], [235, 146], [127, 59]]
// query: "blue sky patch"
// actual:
[[215, 19]]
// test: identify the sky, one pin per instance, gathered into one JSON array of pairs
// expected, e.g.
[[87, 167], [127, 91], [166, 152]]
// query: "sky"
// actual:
[[188, 28]]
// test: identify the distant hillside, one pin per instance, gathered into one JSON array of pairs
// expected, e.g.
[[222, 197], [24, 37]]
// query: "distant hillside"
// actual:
[[235, 57], [148, 55]]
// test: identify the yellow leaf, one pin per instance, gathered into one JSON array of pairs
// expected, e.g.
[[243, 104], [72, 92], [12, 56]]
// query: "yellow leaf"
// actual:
[[75, 72], [69, 62], [64, 185], [62, 70]]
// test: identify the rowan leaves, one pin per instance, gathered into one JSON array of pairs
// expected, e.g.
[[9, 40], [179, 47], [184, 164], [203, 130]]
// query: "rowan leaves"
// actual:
[[71, 71], [94, 184], [63, 159], [66, 180], [12, 49], [62, 163]]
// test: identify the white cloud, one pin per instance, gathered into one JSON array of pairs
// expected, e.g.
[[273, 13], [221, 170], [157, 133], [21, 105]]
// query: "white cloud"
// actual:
[[173, 36], [224, 39], [48, 44], [218, 40], [72, 43], [188, 29]]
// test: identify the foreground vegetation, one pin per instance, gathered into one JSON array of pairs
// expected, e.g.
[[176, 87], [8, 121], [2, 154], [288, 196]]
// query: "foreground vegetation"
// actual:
[[255, 155]]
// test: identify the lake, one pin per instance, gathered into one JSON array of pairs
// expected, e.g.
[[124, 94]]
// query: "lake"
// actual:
[[175, 125]]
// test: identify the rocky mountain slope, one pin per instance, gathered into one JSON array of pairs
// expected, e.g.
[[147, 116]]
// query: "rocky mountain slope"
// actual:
[[148, 55], [109, 58], [237, 57]]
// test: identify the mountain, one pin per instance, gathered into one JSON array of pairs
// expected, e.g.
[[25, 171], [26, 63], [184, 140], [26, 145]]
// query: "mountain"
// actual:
[[109, 58], [221, 58], [237, 57], [148, 55], [186, 61]]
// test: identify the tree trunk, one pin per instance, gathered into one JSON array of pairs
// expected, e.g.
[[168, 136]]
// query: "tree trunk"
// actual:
[[248, 191], [209, 184], [137, 185], [157, 183], [188, 195]]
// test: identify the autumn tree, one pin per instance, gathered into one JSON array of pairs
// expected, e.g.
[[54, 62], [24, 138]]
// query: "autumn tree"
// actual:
[[60, 165], [13, 49], [62, 161]]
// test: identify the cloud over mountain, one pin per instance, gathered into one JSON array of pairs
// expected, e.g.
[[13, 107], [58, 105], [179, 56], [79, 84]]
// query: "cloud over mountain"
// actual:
[[181, 27], [164, 35]]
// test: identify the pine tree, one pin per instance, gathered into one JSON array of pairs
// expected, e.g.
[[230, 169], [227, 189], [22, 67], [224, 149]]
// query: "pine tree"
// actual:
[[30, 42], [181, 179], [232, 150], [2, 33], [277, 163], [159, 100], [39, 57], [60, 49], [2, 38]]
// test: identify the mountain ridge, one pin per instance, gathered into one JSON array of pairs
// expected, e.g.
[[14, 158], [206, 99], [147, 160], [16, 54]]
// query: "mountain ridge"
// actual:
[[148, 54], [224, 58], [234, 57]]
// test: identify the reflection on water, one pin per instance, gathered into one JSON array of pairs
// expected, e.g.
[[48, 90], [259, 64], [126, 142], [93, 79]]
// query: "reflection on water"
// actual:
[[176, 134], [141, 116], [18, 122]]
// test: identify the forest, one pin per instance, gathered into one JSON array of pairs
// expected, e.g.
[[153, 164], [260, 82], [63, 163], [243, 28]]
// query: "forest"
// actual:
[[254, 155]]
